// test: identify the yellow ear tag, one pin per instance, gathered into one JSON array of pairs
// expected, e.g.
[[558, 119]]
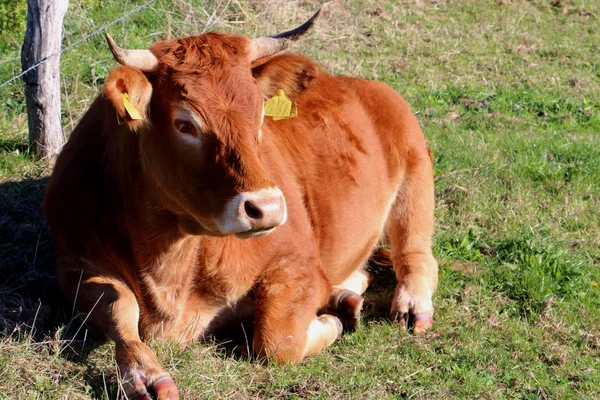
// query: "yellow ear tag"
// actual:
[[133, 113], [280, 107], [293, 113]]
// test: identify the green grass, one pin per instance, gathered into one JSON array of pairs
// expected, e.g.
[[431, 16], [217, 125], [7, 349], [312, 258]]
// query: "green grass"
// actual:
[[508, 94]]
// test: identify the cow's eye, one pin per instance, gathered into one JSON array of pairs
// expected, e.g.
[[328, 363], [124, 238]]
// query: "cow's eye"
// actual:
[[184, 126]]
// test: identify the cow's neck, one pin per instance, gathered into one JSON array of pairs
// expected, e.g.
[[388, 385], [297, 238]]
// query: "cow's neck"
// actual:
[[162, 249], [171, 255]]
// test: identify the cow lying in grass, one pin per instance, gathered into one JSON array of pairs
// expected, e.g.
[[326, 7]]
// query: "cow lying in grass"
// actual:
[[175, 197]]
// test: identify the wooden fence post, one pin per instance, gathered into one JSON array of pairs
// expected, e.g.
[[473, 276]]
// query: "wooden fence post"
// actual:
[[42, 84]]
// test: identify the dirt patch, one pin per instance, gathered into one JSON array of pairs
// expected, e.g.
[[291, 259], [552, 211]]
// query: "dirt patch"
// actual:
[[378, 12], [566, 8], [467, 268]]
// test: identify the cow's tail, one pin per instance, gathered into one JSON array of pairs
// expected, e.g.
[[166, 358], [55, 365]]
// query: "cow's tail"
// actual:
[[382, 257]]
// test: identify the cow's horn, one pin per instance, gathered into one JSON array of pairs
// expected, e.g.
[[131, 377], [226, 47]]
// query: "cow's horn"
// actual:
[[266, 46], [143, 60]]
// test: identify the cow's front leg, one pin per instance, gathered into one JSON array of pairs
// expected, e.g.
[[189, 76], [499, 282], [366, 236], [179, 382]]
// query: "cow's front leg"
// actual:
[[287, 326], [114, 311]]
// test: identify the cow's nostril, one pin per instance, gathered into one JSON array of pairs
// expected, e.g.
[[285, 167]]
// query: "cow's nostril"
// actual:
[[252, 211]]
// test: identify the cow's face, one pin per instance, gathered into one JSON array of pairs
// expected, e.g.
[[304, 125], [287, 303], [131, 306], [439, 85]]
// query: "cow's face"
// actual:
[[201, 112], [200, 133]]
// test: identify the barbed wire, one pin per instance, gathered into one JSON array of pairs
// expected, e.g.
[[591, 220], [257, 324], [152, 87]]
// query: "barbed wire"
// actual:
[[83, 39]]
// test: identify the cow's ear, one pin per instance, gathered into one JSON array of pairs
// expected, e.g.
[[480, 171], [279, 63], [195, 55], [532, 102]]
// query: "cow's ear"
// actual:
[[291, 72], [129, 91]]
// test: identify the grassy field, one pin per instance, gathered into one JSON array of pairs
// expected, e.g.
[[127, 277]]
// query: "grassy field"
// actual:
[[508, 94]]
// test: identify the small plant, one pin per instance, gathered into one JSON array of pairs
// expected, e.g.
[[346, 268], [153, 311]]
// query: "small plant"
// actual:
[[13, 19], [531, 273]]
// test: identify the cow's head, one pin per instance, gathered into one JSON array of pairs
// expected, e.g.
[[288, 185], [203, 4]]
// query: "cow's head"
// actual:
[[199, 130]]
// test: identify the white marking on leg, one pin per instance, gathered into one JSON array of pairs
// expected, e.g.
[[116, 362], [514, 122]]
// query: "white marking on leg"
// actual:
[[357, 282], [322, 332]]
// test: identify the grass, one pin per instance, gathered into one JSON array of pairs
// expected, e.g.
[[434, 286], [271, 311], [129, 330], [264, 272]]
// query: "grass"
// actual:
[[508, 94]]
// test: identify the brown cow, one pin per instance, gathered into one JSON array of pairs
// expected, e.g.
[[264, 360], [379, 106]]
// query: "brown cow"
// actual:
[[164, 222]]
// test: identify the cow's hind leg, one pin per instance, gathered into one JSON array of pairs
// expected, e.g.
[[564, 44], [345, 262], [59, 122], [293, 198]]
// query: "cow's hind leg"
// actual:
[[114, 311], [346, 299], [410, 229], [287, 326]]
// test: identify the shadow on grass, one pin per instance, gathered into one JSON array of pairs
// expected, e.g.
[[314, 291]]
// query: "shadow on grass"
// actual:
[[378, 297], [29, 295], [31, 303], [12, 144]]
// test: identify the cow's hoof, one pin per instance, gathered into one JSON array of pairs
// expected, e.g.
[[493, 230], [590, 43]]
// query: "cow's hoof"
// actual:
[[141, 376], [420, 323], [423, 323], [165, 389], [412, 307], [162, 389], [349, 307]]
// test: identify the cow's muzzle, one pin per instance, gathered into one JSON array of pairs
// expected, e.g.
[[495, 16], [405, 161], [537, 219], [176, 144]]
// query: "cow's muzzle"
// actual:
[[253, 214]]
